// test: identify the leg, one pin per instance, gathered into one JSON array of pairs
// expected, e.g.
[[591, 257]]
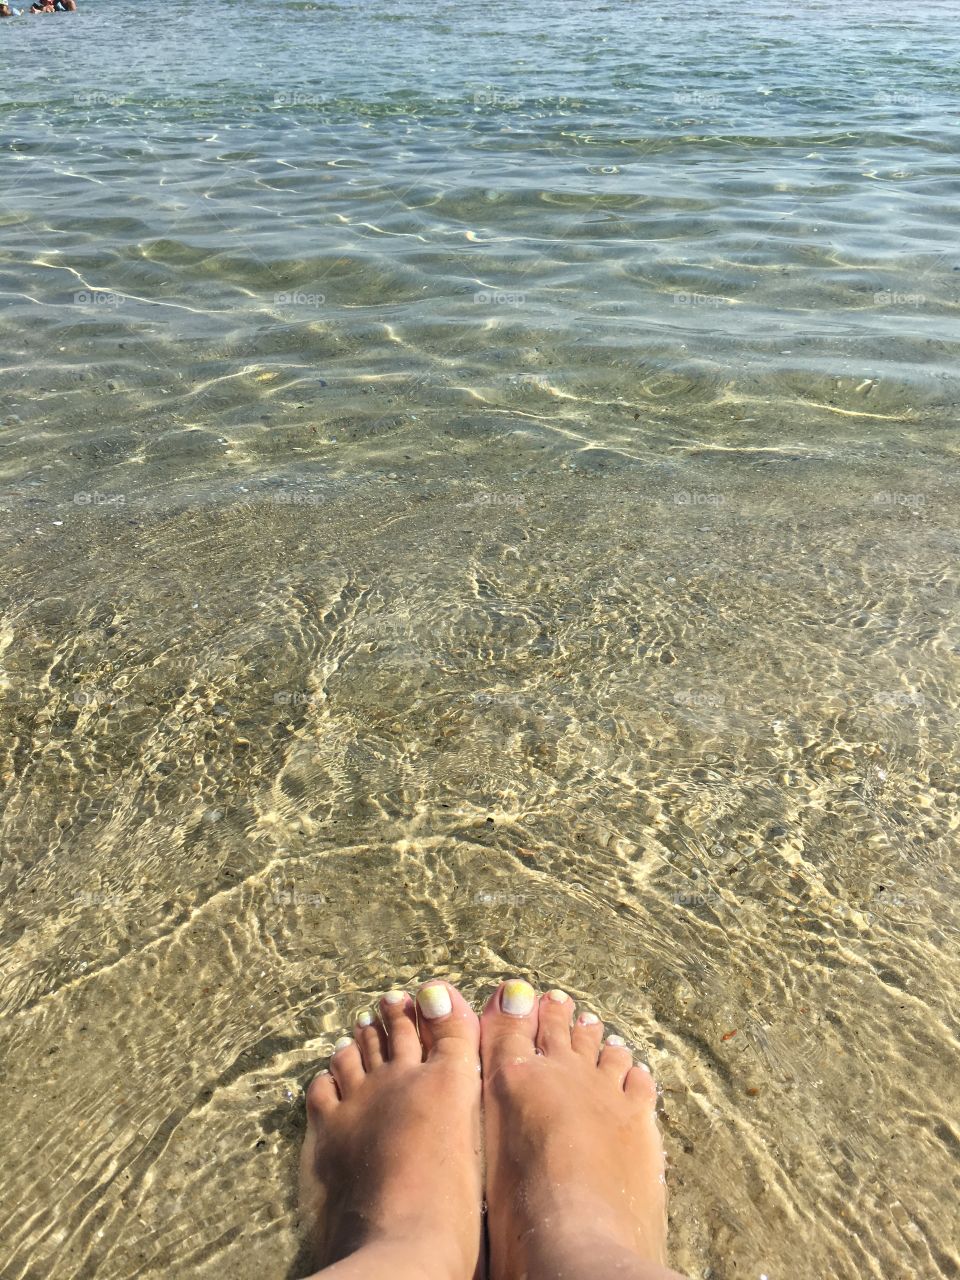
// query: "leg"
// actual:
[[575, 1180], [390, 1170]]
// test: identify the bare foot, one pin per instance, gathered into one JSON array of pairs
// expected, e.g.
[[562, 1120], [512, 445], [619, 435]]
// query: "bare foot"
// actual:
[[575, 1182], [390, 1172]]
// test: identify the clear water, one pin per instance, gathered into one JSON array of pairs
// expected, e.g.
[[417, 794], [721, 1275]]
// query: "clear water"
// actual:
[[478, 496]]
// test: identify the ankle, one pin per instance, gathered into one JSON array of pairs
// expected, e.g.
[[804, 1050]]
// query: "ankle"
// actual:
[[567, 1231], [572, 1212], [583, 1250], [395, 1256]]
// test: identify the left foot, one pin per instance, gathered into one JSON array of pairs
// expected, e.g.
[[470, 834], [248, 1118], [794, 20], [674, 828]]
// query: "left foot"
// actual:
[[390, 1172]]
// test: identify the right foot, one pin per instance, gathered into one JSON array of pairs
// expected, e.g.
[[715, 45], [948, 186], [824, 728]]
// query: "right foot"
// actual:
[[575, 1165], [390, 1170]]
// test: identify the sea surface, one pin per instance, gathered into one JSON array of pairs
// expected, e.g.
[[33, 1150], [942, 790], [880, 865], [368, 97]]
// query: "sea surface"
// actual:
[[479, 496]]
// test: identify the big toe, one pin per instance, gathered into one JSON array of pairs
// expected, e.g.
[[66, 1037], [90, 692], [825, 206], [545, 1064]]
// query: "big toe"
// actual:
[[508, 1026], [449, 1028]]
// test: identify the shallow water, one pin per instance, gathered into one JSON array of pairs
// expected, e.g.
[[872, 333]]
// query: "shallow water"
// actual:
[[478, 496]]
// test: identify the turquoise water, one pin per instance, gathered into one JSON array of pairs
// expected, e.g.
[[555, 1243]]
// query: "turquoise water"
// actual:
[[478, 495]]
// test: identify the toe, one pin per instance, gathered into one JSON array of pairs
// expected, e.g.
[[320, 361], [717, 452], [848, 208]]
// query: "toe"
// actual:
[[553, 1029], [615, 1059], [399, 1021], [508, 1025], [639, 1085], [587, 1034], [372, 1039], [322, 1097], [346, 1065], [448, 1026]]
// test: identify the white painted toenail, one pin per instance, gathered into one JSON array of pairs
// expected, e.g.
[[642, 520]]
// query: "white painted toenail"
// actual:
[[588, 1019], [342, 1043], [557, 995], [616, 1042], [365, 1019], [643, 1067], [395, 996], [517, 997], [434, 1001]]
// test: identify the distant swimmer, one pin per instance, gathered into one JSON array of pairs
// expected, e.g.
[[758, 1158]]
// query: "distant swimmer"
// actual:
[[7, 11], [53, 6]]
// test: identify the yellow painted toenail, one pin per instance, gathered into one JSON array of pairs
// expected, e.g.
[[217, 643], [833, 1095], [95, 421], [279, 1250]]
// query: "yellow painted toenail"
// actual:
[[588, 1019], [395, 996], [517, 997], [342, 1043], [365, 1019], [616, 1042], [557, 995], [434, 1001]]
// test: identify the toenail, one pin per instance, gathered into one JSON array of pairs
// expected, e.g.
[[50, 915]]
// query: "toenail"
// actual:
[[616, 1042], [643, 1067], [517, 997], [557, 995], [588, 1019], [365, 1019], [342, 1043], [434, 1001], [395, 996]]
